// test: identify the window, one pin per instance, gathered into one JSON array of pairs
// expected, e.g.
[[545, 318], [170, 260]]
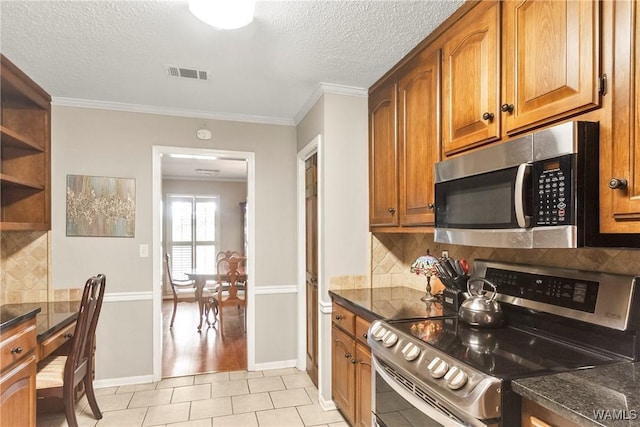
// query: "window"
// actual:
[[192, 233]]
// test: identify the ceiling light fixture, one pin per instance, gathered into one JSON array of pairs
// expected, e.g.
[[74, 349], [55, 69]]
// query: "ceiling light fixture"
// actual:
[[224, 14]]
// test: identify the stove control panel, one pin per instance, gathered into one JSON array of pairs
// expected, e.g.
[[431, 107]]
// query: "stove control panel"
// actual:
[[434, 372]]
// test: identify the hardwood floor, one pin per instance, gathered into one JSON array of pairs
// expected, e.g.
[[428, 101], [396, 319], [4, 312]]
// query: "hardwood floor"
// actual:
[[187, 351]]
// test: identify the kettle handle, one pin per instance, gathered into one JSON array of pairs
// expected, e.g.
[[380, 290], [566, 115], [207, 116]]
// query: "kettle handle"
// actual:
[[481, 279]]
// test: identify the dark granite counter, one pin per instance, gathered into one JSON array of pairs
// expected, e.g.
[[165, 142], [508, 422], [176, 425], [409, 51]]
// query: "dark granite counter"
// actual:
[[602, 396], [387, 303], [50, 316]]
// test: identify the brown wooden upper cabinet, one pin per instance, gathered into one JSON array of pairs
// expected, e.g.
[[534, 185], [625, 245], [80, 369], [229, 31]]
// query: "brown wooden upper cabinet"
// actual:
[[620, 122], [383, 163], [548, 69], [418, 137], [471, 87], [25, 137], [404, 135]]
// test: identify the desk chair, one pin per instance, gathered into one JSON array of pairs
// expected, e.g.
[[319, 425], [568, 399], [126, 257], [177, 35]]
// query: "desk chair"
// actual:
[[58, 376], [178, 287]]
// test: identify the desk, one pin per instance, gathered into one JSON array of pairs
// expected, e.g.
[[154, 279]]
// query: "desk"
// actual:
[[36, 329], [200, 278]]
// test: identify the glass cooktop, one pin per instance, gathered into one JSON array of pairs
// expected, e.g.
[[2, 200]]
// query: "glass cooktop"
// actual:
[[504, 352]]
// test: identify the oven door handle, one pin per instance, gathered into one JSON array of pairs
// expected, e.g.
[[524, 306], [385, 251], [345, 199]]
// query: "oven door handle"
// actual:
[[523, 172], [417, 403]]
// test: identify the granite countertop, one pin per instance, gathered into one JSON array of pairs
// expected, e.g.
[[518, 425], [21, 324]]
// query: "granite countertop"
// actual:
[[398, 302], [603, 396], [50, 316]]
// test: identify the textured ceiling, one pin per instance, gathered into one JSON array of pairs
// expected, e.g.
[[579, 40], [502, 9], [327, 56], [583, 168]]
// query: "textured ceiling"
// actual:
[[114, 53]]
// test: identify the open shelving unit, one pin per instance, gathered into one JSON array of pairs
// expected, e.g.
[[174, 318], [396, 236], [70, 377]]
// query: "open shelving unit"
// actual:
[[25, 156]]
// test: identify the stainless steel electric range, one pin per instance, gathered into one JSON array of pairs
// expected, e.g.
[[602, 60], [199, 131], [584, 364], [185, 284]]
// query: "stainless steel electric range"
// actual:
[[440, 372]]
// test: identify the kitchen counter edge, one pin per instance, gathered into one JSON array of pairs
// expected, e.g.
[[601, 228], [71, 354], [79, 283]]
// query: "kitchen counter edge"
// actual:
[[604, 396]]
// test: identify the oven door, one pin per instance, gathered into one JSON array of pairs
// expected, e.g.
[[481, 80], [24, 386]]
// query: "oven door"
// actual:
[[394, 405]]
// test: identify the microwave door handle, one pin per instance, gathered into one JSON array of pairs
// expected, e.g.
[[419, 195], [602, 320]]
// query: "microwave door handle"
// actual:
[[519, 194]]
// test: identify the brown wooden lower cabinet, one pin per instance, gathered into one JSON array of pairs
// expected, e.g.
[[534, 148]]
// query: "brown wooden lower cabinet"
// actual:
[[18, 378], [351, 368], [534, 415]]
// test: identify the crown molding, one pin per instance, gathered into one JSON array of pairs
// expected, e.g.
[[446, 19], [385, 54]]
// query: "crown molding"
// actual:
[[324, 88], [148, 109]]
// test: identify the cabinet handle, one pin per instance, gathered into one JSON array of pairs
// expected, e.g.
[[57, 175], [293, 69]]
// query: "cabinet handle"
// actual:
[[506, 108], [487, 116], [347, 355], [365, 336], [618, 183], [392, 210], [431, 206], [68, 335], [339, 317], [16, 350], [354, 361]]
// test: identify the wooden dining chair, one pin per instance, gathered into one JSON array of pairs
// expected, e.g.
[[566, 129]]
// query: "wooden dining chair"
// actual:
[[178, 287], [229, 290], [58, 376]]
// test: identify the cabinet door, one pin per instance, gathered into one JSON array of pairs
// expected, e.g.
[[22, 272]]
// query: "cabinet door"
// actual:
[[620, 132], [383, 174], [343, 373], [551, 60], [470, 80], [363, 387], [418, 137], [18, 394]]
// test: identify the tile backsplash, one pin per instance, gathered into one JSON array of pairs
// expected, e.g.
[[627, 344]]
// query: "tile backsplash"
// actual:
[[392, 255], [24, 266]]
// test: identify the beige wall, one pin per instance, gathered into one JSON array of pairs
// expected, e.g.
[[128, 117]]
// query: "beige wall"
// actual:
[[119, 144]]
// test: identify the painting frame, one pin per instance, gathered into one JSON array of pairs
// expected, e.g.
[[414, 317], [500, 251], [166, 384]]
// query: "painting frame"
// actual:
[[100, 206]]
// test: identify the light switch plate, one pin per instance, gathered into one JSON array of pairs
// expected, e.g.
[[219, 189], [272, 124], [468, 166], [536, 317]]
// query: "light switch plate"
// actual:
[[144, 250]]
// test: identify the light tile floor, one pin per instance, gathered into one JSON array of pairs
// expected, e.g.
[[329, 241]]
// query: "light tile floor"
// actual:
[[279, 398]]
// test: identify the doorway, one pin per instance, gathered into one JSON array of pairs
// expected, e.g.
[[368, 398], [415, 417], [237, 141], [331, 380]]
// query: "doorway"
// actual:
[[246, 210]]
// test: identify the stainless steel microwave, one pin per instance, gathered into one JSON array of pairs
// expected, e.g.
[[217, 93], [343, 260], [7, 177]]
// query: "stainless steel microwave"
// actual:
[[537, 191]]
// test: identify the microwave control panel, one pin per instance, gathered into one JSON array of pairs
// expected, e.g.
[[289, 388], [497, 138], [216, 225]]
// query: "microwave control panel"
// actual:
[[553, 191]]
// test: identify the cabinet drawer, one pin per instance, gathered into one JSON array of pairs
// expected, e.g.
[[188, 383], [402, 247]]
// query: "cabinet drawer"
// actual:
[[344, 318], [55, 341], [17, 343], [362, 327]]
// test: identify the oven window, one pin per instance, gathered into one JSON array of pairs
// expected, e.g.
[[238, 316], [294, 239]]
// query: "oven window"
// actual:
[[479, 201]]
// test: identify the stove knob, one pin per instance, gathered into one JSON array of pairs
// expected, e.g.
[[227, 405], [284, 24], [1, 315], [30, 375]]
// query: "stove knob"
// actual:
[[456, 378], [389, 339], [411, 351], [438, 367], [377, 331]]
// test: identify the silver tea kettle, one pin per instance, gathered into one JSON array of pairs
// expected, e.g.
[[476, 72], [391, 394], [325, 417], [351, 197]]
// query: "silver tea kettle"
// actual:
[[479, 310]]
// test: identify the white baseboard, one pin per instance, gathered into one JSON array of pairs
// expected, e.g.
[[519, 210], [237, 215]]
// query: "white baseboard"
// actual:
[[116, 382], [326, 405], [280, 364]]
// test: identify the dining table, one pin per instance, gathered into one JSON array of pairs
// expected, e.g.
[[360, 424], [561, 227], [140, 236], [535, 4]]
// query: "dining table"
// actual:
[[200, 279]]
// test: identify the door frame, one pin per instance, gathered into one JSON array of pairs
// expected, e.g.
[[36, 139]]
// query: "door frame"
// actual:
[[157, 261], [311, 148]]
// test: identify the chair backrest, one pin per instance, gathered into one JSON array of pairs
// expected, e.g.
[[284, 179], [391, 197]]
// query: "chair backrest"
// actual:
[[227, 254], [79, 360], [228, 275], [167, 261]]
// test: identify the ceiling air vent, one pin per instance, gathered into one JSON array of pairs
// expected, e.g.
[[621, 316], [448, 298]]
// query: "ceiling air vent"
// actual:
[[187, 73]]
